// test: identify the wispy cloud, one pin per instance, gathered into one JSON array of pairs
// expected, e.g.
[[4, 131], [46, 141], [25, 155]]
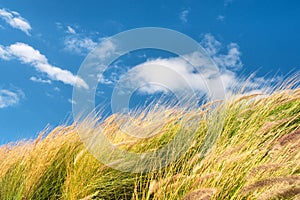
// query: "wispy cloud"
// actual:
[[221, 18], [4, 55], [10, 97], [105, 81], [211, 45], [183, 15], [40, 80], [105, 48], [28, 55], [71, 30], [78, 43], [15, 20], [231, 60]]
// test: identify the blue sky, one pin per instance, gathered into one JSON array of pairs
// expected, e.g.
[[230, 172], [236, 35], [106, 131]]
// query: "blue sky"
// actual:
[[43, 43]]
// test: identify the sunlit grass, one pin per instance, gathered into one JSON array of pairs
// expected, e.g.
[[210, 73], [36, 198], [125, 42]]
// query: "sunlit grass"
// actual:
[[256, 156]]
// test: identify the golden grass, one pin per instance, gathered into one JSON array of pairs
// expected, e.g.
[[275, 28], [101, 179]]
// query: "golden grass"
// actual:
[[256, 156]]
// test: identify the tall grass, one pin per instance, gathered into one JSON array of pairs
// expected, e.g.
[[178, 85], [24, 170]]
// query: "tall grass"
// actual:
[[256, 156]]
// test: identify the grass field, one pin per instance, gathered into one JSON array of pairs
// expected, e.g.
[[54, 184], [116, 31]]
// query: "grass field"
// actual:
[[255, 156]]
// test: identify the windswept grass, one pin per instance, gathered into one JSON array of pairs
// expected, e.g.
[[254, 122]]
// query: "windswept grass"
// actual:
[[256, 156]]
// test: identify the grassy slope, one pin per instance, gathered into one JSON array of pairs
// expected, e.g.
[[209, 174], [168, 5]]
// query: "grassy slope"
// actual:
[[255, 156]]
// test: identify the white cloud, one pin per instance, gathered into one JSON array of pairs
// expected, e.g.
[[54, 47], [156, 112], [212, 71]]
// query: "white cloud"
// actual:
[[183, 15], [175, 73], [71, 30], [103, 80], [15, 20], [80, 45], [231, 60], [106, 48], [77, 42], [10, 97], [211, 45], [28, 55], [40, 80], [3, 53]]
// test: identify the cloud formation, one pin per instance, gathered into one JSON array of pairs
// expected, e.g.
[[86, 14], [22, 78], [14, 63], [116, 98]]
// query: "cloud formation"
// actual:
[[183, 15], [10, 97], [28, 55], [70, 30], [176, 73], [15, 20], [220, 18], [40, 80], [105, 48], [78, 43], [231, 60]]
